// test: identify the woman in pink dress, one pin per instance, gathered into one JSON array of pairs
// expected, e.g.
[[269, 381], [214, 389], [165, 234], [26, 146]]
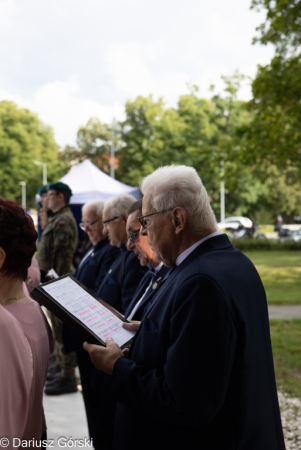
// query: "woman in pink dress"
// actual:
[[15, 378], [18, 238]]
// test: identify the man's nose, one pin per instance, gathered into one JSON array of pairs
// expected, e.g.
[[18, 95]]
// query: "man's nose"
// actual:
[[130, 245]]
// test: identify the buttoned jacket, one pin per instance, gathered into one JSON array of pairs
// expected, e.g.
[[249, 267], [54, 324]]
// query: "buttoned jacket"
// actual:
[[199, 373]]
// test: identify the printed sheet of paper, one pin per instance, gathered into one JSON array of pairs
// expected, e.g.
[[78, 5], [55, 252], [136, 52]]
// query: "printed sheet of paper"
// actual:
[[88, 310]]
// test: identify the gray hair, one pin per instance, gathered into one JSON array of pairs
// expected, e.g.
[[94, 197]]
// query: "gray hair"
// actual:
[[172, 186], [119, 204], [96, 206]]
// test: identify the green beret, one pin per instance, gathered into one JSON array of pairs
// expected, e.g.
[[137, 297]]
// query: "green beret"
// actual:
[[43, 189], [60, 187]]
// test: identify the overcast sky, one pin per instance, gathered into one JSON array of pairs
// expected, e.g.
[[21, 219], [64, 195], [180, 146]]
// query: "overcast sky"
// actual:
[[69, 60]]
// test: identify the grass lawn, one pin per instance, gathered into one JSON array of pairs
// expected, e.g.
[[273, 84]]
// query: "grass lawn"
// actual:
[[286, 344], [280, 272]]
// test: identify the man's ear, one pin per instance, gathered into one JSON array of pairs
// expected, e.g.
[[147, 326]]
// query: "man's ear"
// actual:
[[2, 257], [179, 219]]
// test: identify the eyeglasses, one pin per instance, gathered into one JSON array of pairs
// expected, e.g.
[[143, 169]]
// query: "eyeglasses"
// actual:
[[88, 226], [52, 193], [133, 235], [105, 222], [143, 221]]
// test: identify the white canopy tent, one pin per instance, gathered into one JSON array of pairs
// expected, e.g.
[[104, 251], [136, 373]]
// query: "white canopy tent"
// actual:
[[87, 182]]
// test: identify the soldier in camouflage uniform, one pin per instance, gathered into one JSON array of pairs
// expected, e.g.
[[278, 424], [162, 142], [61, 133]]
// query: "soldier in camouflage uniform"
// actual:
[[55, 251]]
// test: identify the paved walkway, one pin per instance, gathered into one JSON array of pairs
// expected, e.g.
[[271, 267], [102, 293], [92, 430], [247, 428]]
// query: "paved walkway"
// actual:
[[285, 312], [66, 419]]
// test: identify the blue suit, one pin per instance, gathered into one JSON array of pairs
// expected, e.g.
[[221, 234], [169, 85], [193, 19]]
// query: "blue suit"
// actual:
[[107, 405], [199, 374], [93, 269], [144, 283], [117, 289]]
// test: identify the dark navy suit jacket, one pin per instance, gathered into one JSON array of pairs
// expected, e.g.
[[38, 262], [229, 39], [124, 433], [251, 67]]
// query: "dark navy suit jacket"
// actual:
[[97, 391], [116, 292], [199, 373], [94, 268], [139, 313], [103, 401]]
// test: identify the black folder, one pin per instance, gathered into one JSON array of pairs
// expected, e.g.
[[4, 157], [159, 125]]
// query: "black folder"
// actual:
[[45, 299]]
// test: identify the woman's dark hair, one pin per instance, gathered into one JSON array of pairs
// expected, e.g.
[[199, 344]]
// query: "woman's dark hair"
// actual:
[[18, 238]]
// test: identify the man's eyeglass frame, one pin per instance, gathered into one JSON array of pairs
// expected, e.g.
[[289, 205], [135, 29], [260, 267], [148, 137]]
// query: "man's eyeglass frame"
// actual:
[[84, 227], [144, 222], [133, 235], [105, 222]]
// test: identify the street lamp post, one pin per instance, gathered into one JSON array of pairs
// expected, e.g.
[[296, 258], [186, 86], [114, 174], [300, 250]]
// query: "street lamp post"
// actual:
[[40, 163], [23, 184], [112, 171], [222, 192]]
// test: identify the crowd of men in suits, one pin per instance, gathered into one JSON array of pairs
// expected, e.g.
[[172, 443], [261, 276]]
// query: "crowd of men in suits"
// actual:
[[199, 373]]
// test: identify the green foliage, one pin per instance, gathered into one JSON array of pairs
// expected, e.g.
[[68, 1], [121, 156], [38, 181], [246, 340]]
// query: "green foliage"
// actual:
[[273, 136], [223, 138], [94, 143], [200, 133], [282, 24], [249, 244], [151, 136], [286, 346], [23, 139]]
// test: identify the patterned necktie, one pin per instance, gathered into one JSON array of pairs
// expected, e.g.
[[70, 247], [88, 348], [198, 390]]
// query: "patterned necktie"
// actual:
[[152, 273]]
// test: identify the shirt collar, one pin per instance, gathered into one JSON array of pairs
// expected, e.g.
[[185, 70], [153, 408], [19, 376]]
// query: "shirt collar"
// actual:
[[189, 250]]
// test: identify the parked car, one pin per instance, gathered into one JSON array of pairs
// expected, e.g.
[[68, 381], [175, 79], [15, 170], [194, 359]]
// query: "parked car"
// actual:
[[289, 235], [241, 226]]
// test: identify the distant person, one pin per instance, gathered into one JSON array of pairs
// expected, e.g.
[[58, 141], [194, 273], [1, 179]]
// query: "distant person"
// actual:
[[100, 256], [279, 222], [199, 373], [55, 251], [17, 246], [43, 211]]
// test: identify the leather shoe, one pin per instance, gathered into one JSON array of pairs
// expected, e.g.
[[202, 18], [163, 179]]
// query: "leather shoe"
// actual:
[[62, 386], [55, 380], [53, 372]]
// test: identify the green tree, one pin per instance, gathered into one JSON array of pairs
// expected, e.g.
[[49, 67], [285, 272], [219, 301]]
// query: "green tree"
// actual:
[[94, 143], [23, 139], [282, 24], [275, 132], [142, 135]]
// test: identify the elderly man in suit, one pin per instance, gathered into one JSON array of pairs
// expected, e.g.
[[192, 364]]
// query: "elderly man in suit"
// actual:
[[149, 285], [122, 279], [199, 373], [100, 256], [90, 272], [154, 277], [116, 288]]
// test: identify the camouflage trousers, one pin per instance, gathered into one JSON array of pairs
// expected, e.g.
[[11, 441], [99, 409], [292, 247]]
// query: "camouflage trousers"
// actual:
[[67, 361]]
